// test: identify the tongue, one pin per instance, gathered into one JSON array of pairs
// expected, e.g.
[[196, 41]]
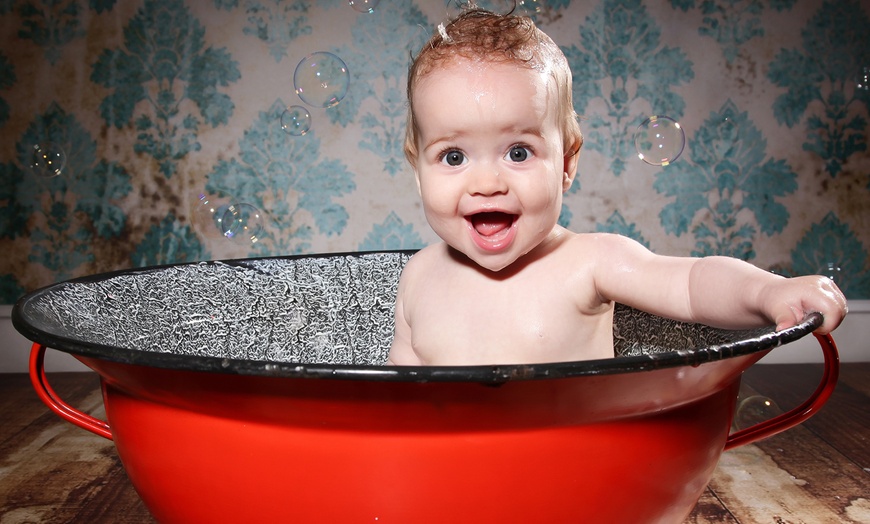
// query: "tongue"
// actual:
[[488, 224]]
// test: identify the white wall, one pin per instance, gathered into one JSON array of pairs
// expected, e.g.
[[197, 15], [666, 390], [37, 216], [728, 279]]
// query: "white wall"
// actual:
[[15, 350], [852, 338]]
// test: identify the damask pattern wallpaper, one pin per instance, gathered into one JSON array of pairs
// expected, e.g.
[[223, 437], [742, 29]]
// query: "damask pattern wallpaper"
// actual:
[[163, 118]]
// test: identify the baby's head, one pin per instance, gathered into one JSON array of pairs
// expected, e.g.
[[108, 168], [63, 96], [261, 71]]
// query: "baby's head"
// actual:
[[481, 35]]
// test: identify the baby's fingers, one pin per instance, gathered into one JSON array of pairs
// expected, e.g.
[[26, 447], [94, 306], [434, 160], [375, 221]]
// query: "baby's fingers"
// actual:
[[787, 317]]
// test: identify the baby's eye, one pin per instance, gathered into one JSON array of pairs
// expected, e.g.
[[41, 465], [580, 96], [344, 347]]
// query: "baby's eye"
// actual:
[[453, 157], [518, 154]]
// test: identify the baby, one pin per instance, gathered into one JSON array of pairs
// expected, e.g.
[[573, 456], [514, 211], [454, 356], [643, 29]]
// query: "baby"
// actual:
[[493, 140]]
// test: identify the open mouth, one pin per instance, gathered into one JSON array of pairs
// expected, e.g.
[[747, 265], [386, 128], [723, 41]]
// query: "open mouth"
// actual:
[[494, 229], [491, 223]]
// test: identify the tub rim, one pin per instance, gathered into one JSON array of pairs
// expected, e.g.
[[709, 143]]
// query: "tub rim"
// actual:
[[487, 374]]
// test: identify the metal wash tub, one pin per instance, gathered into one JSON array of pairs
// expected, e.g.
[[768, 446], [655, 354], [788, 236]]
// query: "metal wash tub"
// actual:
[[254, 390]]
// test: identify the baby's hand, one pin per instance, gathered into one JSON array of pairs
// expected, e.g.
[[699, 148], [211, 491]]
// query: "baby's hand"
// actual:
[[789, 300]]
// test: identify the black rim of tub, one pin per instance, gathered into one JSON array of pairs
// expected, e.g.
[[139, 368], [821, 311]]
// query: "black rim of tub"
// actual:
[[492, 374]]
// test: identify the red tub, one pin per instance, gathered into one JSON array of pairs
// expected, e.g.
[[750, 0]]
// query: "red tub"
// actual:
[[254, 391]]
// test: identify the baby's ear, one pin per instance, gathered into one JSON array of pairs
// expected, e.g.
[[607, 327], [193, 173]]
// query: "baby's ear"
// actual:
[[570, 167], [567, 180]]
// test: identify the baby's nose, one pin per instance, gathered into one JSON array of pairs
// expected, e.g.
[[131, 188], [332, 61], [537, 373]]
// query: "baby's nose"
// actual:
[[485, 180]]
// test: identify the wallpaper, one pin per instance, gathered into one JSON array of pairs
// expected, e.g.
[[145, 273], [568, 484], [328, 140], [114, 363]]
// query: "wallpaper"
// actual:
[[152, 132]]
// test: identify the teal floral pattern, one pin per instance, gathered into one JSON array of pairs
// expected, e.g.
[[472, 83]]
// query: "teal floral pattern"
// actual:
[[391, 234], [7, 80], [732, 23], [50, 25], [168, 242], [379, 80], [277, 24], [154, 102], [71, 211], [820, 83], [617, 224], [725, 174], [621, 62], [833, 243], [165, 63], [283, 175]]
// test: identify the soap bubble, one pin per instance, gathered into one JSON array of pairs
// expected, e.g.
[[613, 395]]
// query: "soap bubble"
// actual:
[[209, 214], [754, 409], [321, 79], [296, 121], [530, 7], [833, 271], [46, 160], [659, 140], [363, 6], [242, 223], [862, 80]]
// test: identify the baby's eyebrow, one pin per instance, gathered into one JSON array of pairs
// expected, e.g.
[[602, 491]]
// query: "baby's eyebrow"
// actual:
[[533, 131], [440, 140]]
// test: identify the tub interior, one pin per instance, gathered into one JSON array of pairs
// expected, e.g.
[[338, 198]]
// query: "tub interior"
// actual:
[[329, 309]]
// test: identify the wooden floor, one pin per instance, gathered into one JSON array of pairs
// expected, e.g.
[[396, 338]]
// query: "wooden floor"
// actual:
[[53, 472]]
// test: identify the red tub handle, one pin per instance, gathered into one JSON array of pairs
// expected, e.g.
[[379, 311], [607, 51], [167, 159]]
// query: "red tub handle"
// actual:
[[792, 418], [54, 402]]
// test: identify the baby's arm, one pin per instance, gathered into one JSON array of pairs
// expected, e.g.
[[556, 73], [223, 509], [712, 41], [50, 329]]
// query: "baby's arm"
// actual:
[[782, 301], [718, 291]]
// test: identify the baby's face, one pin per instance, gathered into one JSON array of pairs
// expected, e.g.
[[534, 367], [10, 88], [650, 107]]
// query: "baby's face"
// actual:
[[491, 168]]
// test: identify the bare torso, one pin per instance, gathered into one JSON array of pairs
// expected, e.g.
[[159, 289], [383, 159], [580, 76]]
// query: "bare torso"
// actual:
[[544, 308]]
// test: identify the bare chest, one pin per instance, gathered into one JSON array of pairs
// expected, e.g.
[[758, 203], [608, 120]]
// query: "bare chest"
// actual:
[[518, 320]]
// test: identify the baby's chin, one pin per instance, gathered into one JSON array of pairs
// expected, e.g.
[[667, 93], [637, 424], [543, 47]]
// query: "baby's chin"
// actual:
[[489, 262]]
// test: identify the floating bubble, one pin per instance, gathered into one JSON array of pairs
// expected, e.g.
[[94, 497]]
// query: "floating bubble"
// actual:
[[209, 215], [659, 140], [321, 79], [754, 409], [862, 81], [46, 160], [296, 121], [530, 7], [833, 271], [364, 6], [243, 223], [522, 7]]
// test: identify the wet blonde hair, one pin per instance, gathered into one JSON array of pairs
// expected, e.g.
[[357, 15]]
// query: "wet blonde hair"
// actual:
[[479, 34]]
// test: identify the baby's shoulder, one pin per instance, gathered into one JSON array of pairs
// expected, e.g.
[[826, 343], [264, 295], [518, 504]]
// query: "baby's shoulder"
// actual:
[[584, 251], [423, 261], [594, 242]]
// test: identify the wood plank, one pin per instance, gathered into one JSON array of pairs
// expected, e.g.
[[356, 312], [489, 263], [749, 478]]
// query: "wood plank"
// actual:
[[857, 376], [844, 422], [54, 472], [795, 476], [710, 510]]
